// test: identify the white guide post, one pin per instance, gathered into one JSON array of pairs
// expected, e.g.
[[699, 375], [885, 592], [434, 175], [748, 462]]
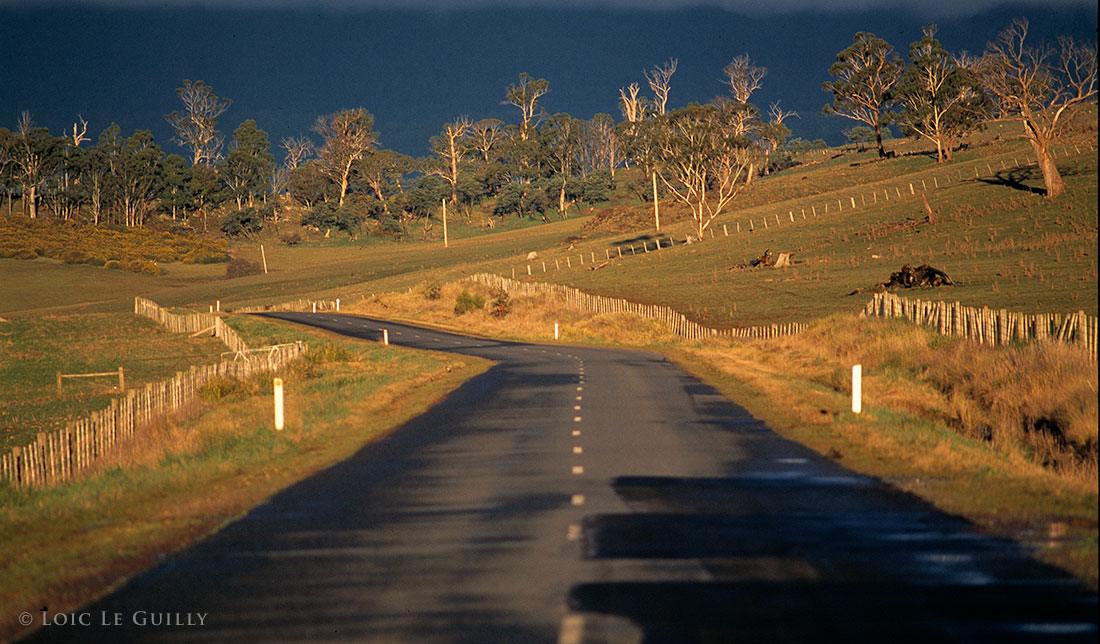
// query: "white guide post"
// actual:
[[857, 389], [278, 386]]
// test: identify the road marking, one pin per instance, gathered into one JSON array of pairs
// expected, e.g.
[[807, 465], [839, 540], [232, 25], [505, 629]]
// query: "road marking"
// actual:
[[580, 388], [576, 432], [578, 397], [578, 499], [577, 449], [576, 407], [574, 532], [576, 419], [572, 630], [578, 470]]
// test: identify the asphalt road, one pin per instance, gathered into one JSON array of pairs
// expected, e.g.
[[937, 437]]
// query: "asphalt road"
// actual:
[[581, 495]]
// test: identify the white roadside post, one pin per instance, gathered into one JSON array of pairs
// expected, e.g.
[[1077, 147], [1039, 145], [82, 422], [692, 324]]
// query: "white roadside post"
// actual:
[[337, 305], [385, 336], [857, 389], [556, 333], [278, 404]]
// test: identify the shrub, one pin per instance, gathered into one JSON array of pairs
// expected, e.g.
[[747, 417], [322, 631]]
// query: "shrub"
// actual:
[[465, 302], [73, 257], [502, 305], [238, 267], [242, 223], [146, 266], [113, 264], [433, 291], [25, 253], [291, 239]]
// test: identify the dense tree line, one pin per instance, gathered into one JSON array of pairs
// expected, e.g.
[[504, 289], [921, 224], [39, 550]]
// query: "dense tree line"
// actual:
[[544, 165]]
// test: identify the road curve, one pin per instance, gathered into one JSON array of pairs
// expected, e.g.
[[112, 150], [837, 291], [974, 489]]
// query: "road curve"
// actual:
[[581, 495]]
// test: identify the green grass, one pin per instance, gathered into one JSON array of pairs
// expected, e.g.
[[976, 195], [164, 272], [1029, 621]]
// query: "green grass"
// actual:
[[33, 350], [65, 545]]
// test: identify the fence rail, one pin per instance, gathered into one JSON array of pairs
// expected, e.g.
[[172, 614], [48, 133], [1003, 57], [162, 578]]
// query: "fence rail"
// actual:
[[58, 456], [995, 327], [676, 321]]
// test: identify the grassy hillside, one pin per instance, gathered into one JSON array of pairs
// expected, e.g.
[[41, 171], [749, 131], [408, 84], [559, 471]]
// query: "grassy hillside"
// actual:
[[1004, 244]]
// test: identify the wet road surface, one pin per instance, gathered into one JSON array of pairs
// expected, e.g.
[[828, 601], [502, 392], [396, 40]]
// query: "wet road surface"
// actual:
[[580, 495]]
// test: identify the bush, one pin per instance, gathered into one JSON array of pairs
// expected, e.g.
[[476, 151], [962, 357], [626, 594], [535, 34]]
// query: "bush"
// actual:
[[433, 291], [242, 223], [465, 302], [238, 267], [25, 253], [291, 239], [113, 264], [146, 266], [502, 305], [347, 218]]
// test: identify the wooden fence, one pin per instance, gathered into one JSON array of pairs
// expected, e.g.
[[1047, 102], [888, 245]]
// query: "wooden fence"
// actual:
[[194, 323], [995, 327], [676, 321], [58, 456], [302, 305]]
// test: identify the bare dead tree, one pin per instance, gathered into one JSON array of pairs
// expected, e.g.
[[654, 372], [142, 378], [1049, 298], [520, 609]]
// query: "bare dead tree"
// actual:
[[1039, 86], [660, 79], [632, 105], [196, 125], [298, 149]]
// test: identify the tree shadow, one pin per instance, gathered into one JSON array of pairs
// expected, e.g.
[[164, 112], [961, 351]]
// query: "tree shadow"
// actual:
[[1015, 179]]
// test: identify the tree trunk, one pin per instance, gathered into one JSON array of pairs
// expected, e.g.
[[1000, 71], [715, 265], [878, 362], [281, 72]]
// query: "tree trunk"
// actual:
[[1052, 179], [878, 140], [34, 202]]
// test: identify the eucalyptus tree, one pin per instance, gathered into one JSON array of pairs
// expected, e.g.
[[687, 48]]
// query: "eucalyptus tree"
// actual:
[[771, 136], [175, 195], [196, 125], [7, 165], [525, 95], [249, 166], [560, 136], [865, 73], [1040, 86], [485, 136], [383, 173], [139, 176], [600, 146], [36, 154], [348, 136], [451, 147], [702, 161], [941, 100]]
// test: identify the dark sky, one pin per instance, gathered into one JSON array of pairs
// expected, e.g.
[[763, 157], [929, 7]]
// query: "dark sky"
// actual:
[[414, 69]]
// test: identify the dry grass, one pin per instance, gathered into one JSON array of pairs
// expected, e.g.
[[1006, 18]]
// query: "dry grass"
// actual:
[[1006, 437]]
